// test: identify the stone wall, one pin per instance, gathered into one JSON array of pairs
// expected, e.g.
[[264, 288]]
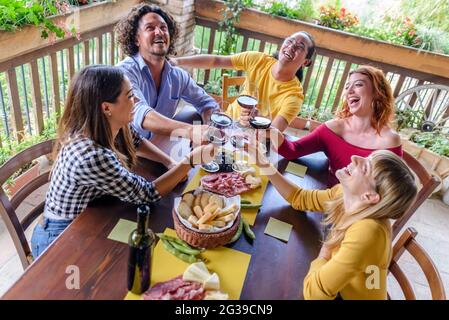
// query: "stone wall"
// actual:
[[183, 11]]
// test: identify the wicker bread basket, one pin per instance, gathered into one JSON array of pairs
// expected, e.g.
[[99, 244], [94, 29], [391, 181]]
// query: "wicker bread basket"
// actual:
[[202, 239]]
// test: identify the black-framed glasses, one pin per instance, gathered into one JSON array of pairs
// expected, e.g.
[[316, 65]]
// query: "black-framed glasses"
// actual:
[[296, 46]]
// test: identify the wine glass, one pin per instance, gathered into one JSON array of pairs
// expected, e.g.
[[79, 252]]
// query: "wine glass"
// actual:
[[247, 99], [260, 119], [218, 134]]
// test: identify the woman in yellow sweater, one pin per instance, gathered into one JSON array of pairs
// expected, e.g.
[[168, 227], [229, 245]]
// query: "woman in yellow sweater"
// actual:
[[353, 262], [278, 79]]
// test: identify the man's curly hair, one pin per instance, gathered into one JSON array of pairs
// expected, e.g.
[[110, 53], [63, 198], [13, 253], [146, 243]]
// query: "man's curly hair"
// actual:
[[127, 27]]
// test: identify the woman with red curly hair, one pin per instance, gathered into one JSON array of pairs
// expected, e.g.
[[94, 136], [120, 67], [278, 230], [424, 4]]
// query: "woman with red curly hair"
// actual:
[[361, 127]]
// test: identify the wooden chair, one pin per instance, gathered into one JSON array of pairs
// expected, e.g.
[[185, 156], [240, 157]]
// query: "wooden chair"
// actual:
[[8, 206], [407, 242], [226, 83], [428, 184]]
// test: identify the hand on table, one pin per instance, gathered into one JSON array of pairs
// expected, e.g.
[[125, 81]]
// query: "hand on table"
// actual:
[[256, 152], [173, 164], [276, 137], [198, 135], [203, 154]]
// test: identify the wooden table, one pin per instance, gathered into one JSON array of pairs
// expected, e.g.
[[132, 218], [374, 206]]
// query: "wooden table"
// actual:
[[276, 271]]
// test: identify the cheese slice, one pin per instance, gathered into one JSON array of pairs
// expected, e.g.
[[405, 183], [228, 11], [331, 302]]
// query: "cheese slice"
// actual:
[[216, 295], [212, 283], [196, 272]]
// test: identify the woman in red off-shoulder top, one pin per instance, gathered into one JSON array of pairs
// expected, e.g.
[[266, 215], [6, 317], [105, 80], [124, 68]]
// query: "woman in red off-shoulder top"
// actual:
[[362, 125]]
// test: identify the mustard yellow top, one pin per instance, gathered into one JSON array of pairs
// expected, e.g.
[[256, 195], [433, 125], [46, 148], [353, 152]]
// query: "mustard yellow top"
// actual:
[[358, 268], [282, 98]]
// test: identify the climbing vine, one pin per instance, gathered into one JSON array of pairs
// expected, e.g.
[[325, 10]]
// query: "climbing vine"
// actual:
[[231, 16]]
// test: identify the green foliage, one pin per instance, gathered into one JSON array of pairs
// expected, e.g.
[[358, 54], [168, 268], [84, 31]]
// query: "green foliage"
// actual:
[[434, 141], [433, 14], [408, 118], [214, 87], [15, 14], [378, 33], [10, 148], [230, 17], [324, 115], [337, 17], [303, 10], [18, 13], [307, 111], [433, 39]]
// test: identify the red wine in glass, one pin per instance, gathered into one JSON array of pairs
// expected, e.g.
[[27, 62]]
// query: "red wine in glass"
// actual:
[[259, 122], [247, 102]]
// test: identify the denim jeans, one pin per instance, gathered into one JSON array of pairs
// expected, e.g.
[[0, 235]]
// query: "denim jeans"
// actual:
[[45, 233]]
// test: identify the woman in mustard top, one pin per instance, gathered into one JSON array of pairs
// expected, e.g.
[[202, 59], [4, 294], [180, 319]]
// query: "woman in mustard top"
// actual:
[[278, 79], [354, 259]]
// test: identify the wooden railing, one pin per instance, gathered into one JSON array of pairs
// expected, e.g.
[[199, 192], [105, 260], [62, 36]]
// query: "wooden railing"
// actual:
[[34, 81], [42, 77], [324, 79]]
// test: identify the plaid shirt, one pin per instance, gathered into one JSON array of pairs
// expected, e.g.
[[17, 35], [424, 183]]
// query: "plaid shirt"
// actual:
[[84, 171]]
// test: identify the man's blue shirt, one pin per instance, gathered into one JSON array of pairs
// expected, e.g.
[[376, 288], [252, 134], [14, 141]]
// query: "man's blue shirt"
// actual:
[[176, 84]]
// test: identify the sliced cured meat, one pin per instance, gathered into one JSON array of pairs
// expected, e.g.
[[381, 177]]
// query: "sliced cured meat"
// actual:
[[175, 289], [227, 184], [210, 178]]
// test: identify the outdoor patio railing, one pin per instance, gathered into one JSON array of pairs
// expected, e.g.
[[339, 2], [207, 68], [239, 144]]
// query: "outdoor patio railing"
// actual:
[[324, 80], [33, 85], [37, 82]]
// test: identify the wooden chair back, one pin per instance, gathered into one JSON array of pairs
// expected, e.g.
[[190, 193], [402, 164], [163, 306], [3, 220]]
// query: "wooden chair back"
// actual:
[[408, 242], [226, 83], [428, 184], [8, 207]]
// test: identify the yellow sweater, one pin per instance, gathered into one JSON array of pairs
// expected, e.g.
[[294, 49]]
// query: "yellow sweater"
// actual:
[[358, 268], [282, 98]]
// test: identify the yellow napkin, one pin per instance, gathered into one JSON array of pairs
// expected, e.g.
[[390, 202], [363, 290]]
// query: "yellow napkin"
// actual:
[[255, 196], [230, 265], [278, 229], [122, 230], [296, 169]]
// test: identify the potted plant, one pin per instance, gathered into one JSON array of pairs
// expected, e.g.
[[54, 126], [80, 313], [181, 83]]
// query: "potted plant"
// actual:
[[213, 88], [26, 27], [302, 120], [22, 177], [32, 169]]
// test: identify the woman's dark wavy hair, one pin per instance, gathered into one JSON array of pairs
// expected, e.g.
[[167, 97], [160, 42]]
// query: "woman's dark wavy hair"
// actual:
[[310, 53], [83, 115], [126, 28]]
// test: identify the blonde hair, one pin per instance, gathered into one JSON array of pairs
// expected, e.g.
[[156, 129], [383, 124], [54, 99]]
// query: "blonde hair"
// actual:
[[395, 184]]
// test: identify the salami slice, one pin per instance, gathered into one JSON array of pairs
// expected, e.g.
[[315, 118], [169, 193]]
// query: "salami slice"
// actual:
[[175, 289], [228, 184]]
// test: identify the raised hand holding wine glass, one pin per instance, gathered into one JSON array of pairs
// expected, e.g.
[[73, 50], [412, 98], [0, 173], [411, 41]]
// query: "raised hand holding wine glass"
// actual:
[[247, 99]]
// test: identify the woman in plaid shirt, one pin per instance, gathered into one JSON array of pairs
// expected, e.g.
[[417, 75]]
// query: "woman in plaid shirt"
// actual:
[[96, 149]]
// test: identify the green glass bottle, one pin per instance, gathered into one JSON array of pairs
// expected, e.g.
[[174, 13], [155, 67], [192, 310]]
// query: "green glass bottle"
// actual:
[[141, 244]]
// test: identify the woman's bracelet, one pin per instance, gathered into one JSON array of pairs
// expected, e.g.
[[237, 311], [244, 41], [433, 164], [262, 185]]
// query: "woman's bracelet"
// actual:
[[189, 159]]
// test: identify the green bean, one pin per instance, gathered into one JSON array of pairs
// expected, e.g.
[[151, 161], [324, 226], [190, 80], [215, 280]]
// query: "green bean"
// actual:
[[174, 239], [250, 206], [183, 249], [182, 256], [244, 201], [238, 233], [248, 230]]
